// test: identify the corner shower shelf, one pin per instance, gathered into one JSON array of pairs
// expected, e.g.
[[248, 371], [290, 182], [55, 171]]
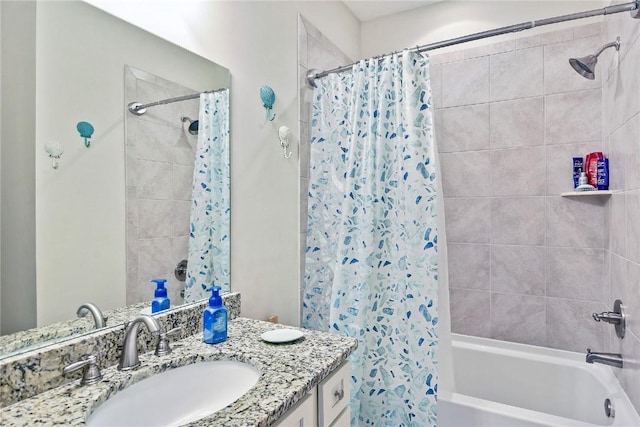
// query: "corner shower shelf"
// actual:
[[587, 193]]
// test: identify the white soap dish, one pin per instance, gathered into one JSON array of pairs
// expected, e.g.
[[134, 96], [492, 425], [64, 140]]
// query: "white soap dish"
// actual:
[[280, 336]]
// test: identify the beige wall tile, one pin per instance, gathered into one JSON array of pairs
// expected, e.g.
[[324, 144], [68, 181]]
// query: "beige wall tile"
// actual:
[[518, 123], [463, 128], [155, 218], [468, 266], [470, 312], [575, 222], [467, 219], [465, 174], [154, 180], [575, 273], [573, 117], [518, 269], [465, 82], [518, 172], [516, 74], [517, 221], [518, 318]]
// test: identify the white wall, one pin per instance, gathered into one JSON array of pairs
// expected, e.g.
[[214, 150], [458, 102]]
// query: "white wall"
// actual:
[[17, 169], [0, 175], [257, 42], [450, 19], [80, 207]]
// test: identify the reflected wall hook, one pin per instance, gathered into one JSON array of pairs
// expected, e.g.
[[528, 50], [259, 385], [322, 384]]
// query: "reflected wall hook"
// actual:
[[86, 130], [268, 99], [284, 133], [54, 149]]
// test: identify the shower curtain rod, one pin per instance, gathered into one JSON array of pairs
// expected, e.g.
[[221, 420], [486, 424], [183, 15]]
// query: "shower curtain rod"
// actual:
[[139, 109], [633, 7]]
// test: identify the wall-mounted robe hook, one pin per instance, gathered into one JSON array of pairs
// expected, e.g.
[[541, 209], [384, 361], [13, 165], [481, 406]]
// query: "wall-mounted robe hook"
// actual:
[[284, 134], [86, 130], [268, 99], [54, 149]]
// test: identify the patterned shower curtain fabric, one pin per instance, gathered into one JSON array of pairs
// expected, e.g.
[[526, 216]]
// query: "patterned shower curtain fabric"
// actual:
[[371, 255], [209, 244]]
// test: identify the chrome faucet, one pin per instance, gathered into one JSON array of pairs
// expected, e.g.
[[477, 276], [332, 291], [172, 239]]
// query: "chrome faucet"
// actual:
[[129, 357], [98, 318], [611, 359]]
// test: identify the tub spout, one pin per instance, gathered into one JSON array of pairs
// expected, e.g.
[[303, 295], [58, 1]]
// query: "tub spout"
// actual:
[[611, 359]]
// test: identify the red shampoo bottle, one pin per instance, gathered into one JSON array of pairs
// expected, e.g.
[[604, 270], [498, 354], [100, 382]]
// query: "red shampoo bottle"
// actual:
[[591, 166]]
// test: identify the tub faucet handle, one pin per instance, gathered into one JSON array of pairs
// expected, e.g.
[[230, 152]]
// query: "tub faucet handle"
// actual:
[[608, 316], [615, 317]]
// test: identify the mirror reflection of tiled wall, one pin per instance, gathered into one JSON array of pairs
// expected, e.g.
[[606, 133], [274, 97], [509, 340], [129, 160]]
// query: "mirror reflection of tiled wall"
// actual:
[[159, 172]]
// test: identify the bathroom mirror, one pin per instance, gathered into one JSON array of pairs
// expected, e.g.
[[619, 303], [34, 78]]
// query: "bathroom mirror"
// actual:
[[78, 233]]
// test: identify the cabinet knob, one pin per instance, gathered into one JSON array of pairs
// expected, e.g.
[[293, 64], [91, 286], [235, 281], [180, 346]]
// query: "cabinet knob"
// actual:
[[339, 395]]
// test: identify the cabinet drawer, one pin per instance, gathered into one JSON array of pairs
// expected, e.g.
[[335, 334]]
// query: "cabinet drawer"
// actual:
[[344, 419], [303, 414], [334, 394]]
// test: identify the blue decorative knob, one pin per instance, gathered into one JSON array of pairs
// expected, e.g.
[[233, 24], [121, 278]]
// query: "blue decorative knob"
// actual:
[[268, 99], [86, 130]]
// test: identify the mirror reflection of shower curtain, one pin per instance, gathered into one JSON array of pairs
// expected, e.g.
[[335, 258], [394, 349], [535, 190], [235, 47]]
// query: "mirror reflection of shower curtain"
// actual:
[[209, 243], [371, 266]]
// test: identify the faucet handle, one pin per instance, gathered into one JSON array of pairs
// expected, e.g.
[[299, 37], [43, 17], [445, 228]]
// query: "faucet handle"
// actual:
[[163, 348], [91, 374], [607, 316], [617, 317]]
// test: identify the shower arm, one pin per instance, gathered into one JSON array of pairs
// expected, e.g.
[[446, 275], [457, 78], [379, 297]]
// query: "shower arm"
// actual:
[[615, 44]]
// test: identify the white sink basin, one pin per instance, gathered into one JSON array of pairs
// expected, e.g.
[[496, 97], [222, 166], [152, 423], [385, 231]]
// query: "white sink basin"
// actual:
[[178, 396]]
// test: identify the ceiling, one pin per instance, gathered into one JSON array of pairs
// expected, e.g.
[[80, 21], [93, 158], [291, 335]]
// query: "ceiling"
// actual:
[[366, 10]]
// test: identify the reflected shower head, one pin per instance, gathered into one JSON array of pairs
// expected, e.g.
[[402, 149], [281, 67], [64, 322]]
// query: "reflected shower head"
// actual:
[[193, 125], [586, 66]]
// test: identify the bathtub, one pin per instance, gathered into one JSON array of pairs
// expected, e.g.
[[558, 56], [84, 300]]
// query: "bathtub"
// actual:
[[503, 384]]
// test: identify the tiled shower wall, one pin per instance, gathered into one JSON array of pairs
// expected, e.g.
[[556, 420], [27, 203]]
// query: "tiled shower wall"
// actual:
[[621, 135], [160, 155], [525, 264]]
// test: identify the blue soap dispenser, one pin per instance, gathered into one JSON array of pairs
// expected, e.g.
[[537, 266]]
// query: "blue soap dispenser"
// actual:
[[214, 319], [160, 301]]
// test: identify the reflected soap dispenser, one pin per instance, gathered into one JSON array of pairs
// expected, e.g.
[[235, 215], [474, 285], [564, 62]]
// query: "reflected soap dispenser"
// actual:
[[160, 301], [214, 319]]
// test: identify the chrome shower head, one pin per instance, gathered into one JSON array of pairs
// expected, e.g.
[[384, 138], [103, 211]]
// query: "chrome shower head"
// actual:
[[586, 66], [193, 125]]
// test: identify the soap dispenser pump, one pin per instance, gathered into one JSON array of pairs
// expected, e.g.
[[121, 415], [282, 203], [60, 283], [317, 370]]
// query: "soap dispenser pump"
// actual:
[[214, 319], [160, 301]]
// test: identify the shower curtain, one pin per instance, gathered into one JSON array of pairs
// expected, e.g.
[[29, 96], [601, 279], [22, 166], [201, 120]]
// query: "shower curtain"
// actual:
[[372, 240], [209, 244]]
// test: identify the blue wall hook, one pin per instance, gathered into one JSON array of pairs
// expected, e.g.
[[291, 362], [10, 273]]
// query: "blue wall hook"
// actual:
[[268, 99], [86, 130]]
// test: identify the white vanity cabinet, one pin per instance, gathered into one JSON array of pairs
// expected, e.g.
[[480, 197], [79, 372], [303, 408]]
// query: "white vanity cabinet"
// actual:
[[325, 406], [303, 414]]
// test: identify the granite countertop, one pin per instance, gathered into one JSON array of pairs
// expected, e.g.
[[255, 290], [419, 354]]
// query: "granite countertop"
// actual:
[[287, 373]]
